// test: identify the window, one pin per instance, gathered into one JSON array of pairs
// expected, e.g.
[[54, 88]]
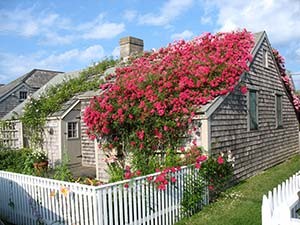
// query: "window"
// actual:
[[278, 106], [72, 129], [23, 95], [265, 58], [253, 110]]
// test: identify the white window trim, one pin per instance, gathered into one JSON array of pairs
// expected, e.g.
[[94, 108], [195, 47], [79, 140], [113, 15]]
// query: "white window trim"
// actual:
[[266, 58], [77, 129]]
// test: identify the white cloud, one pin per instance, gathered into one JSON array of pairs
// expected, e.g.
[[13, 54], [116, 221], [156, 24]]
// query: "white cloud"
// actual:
[[281, 19], [187, 34], [206, 20], [53, 29], [116, 52], [28, 23], [13, 66], [104, 31], [52, 38], [298, 53], [99, 28], [130, 15], [168, 12], [92, 53], [20, 21], [30, 29]]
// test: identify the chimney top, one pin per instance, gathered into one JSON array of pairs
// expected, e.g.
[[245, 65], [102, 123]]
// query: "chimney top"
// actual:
[[130, 45]]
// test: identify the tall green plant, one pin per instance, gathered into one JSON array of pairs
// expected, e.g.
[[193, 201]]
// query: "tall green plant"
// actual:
[[193, 194], [212, 175], [62, 171], [14, 160], [37, 110]]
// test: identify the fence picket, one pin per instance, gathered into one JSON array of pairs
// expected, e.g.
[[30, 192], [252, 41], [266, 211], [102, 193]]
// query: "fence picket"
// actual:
[[280, 206], [139, 205], [116, 205], [60, 202], [90, 207]]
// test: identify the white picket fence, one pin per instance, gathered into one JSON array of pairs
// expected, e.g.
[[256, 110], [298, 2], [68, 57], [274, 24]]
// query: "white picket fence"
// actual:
[[281, 204], [25, 199]]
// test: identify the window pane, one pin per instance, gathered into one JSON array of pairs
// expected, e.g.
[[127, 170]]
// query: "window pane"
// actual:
[[72, 129], [279, 110], [23, 95], [265, 58], [253, 110]]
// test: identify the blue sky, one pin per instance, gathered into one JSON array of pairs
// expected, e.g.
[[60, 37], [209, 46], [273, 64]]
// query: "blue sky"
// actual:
[[69, 35]]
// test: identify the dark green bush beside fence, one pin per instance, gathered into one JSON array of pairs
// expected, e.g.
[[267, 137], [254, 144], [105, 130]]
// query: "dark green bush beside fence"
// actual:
[[13, 160]]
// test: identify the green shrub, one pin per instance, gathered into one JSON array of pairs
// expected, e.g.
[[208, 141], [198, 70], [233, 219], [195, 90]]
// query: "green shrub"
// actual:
[[193, 194], [62, 171], [115, 172], [217, 176], [215, 173], [37, 110], [13, 160]]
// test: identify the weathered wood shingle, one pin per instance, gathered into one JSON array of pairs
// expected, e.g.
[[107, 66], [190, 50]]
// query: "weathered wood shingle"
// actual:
[[256, 150]]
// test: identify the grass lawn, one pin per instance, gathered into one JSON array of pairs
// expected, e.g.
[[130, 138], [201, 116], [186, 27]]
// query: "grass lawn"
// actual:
[[241, 205]]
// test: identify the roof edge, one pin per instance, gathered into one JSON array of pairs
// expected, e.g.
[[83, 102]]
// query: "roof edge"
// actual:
[[210, 109]]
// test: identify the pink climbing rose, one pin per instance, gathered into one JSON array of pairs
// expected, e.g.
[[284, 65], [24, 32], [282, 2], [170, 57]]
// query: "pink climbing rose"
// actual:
[[220, 160], [243, 89]]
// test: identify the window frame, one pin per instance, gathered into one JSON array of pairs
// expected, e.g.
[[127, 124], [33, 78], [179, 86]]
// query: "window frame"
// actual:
[[265, 58], [21, 95], [74, 129], [279, 124], [252, 90]]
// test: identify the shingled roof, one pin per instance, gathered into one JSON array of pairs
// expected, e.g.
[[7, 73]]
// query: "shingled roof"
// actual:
[[36, 78], [211, 106], [60, 78]]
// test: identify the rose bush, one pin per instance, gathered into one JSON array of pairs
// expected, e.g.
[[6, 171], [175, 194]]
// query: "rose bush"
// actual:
[[146, 106], [287, 81]]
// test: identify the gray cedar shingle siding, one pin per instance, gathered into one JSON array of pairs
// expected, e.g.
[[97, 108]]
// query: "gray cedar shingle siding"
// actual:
[[12, 100], [87, 145], [30, 82], [258, 149], [89, 150], [52, 141]]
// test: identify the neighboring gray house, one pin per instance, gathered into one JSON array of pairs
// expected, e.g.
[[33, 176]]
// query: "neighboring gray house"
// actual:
[[15, 92], [19, 140], [63, 132]]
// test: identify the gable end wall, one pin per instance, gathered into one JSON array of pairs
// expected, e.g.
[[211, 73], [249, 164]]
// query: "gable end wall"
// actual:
[[263, 148], [12, 100]]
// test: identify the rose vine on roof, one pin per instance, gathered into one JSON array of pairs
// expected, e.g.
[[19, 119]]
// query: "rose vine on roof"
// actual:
[[151, 102]]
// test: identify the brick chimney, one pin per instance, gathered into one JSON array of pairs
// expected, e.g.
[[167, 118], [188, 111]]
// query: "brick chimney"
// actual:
[[130, 45]]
